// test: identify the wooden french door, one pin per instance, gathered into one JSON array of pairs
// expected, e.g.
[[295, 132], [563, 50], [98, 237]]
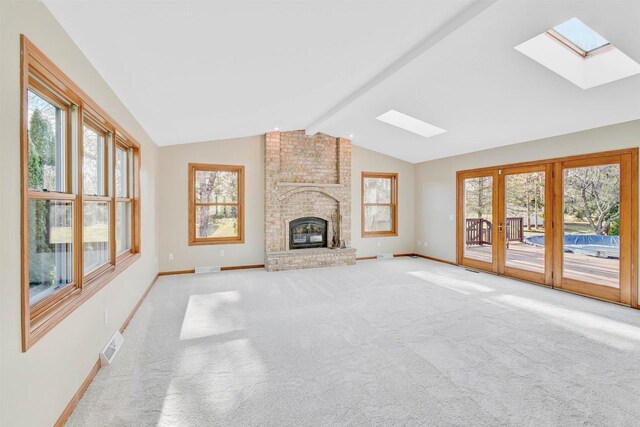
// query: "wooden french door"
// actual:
[[477, 206], [525, 243], [569, 223]]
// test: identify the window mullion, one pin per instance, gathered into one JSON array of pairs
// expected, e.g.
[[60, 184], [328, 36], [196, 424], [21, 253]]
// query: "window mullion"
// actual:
[[110, 164], [79, 218]]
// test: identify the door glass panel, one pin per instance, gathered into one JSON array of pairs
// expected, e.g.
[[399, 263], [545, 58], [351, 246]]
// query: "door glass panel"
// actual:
[[478, 212], [525, 221], [591, 224]]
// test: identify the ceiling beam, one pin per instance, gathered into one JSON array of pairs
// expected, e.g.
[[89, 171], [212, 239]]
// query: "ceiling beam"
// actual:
[[448, 27]]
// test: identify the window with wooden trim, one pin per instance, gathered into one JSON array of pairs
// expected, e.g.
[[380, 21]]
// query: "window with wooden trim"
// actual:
[[75, 220], [379, 204], [216, 204], [124, 198]]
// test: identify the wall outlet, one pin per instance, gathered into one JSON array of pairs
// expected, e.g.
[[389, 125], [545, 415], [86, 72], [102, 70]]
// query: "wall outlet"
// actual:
[[425, 243], [450, 217], [419, 243], [221, 252], [106, 316], [170, 255], [378, 244]]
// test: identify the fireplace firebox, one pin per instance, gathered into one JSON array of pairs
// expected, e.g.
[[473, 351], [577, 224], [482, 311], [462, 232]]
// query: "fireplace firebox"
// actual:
[[308, 232]]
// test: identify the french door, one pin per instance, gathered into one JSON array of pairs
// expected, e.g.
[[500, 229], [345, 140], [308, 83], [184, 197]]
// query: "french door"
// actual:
[[566, 223]]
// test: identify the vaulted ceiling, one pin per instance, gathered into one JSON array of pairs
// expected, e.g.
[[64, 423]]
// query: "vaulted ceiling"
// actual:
[[196, 71]]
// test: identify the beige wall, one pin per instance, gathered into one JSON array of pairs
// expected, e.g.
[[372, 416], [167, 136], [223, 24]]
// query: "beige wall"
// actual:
[[37, 385], [435, 191], [249, 152], [173, 203], [363, 160]]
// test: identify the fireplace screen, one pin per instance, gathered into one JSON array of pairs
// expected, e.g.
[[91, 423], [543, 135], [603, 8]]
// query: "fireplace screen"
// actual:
[[307, 232]]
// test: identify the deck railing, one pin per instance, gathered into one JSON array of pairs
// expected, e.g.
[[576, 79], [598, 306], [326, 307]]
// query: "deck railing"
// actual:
[[515, 229], [479, 231]]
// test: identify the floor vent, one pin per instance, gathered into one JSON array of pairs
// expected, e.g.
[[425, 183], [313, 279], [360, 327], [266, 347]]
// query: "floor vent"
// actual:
[[110, 350], [205, 270], [384, 256], [472, 271]]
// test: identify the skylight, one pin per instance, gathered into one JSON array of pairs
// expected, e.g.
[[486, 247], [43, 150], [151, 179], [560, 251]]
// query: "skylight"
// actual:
[[580, 35], [410, 124], [590, 60]]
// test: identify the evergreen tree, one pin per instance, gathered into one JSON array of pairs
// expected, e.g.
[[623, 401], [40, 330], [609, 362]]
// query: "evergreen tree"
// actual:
[[41, 152]]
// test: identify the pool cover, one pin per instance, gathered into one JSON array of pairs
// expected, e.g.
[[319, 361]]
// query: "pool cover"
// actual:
[[585, 244]]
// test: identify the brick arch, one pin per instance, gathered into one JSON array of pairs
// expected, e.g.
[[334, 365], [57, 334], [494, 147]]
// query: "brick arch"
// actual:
[[298, 190]]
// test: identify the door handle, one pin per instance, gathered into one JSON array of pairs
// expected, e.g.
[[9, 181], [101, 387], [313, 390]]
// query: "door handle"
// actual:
[[500, 227]]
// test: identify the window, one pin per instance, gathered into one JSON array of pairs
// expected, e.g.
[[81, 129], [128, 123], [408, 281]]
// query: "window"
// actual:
[[379, 204], [570, 50], [579, 36], [79, 190], [216, 204], [96, 203], [124, 201], [411, 124]]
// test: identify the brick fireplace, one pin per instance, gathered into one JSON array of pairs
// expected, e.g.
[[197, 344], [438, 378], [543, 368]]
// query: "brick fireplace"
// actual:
[[308, 185]]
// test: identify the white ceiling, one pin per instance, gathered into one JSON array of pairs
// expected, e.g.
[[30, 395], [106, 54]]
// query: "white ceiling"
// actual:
[[194, 71]]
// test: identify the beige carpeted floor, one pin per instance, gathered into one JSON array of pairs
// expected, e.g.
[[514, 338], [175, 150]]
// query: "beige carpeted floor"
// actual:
[[389, 342]]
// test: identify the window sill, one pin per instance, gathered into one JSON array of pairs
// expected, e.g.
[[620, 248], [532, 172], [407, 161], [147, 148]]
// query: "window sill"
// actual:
[[216, 242], [41, 324], [380, 234]]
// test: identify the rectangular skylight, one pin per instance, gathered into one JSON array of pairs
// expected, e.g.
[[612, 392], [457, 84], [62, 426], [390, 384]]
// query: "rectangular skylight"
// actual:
[[409, 123], [579, 64], [583, 37]]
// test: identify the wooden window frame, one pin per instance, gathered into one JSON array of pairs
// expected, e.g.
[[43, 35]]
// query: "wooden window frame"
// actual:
[[201, 167], [40, 75], [129, 149], [393, 204]]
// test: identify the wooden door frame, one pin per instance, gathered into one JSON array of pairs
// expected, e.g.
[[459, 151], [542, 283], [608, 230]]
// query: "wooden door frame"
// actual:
[[628, 240], [530, 276], [460, 223], [628, 292]]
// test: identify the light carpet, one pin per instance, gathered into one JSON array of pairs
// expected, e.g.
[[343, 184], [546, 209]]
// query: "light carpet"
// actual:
[[386, 342]]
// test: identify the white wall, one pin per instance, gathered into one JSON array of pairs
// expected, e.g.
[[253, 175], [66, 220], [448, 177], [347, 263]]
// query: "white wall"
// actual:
[[37, 385], [249, 151], [435, 190]]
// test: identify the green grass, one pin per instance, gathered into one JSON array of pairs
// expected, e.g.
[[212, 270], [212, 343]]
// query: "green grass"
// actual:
[[223, 227], [94, 233]]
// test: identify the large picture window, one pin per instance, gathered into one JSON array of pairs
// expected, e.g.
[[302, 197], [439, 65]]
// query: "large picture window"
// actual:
[[379, 204], [216, 204], [80, 209]]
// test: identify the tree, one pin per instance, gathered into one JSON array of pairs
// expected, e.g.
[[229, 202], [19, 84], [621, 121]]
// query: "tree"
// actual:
[[478, 199], [593, 193], [215, 187], [40, 154], [525, 198]]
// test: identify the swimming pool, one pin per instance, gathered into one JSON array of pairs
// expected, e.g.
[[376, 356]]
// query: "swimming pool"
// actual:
[[585, 244]]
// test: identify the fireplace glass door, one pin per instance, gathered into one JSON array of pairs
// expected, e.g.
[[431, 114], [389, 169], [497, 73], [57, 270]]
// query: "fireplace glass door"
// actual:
[[307, 233]]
